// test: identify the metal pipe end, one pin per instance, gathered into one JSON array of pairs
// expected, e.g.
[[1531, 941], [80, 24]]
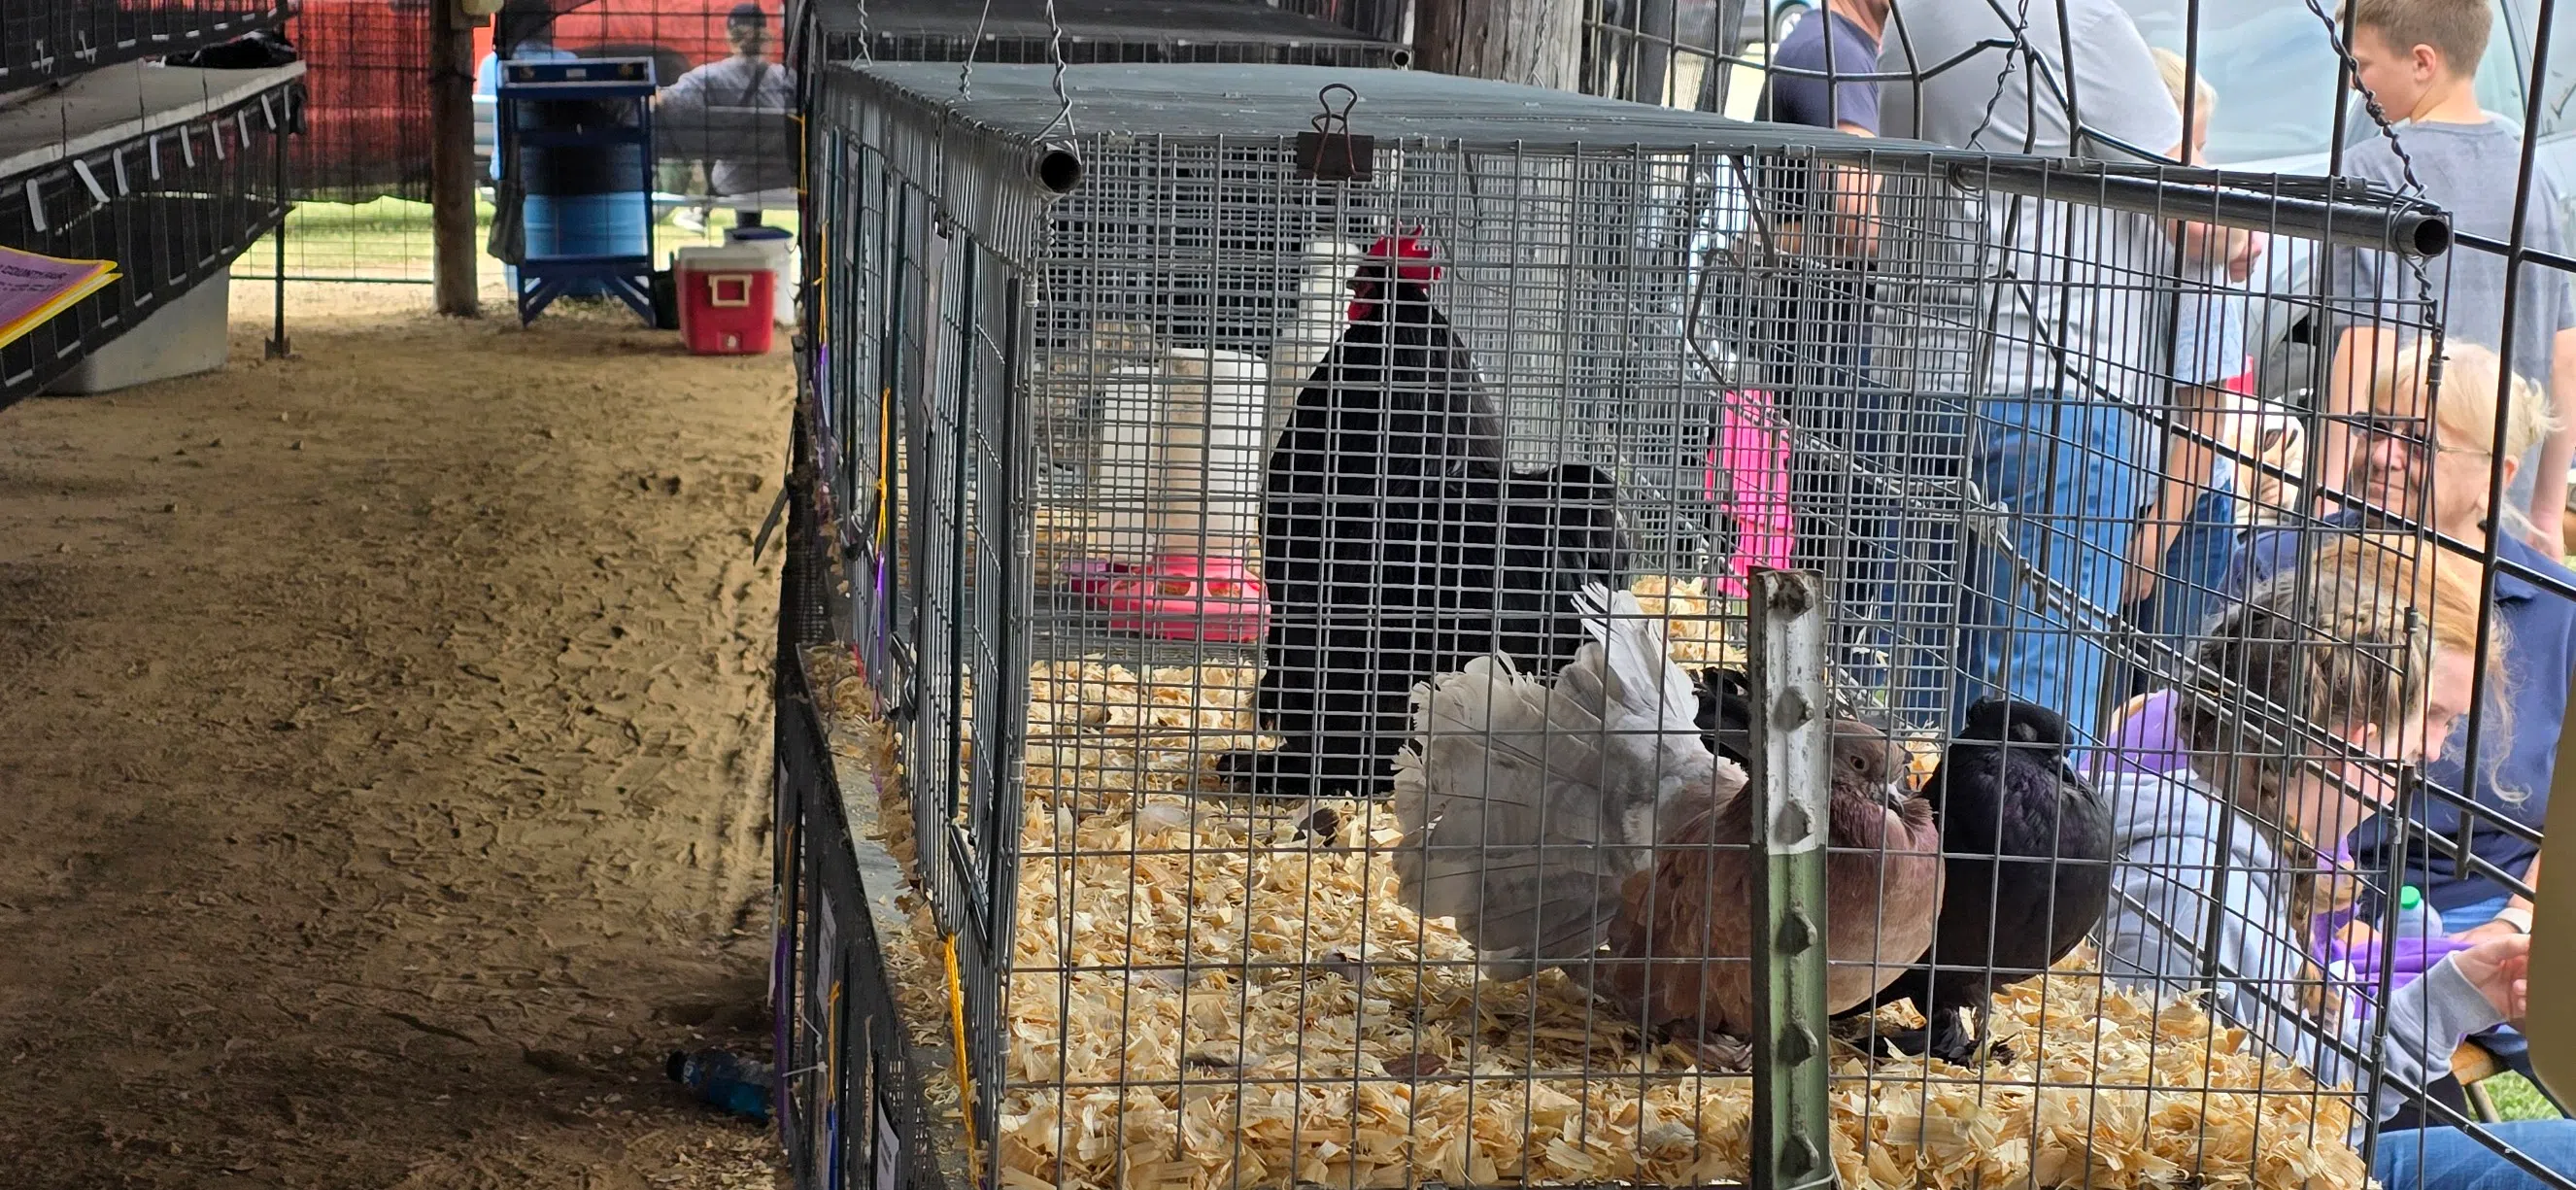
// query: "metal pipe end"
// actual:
[[2424, 234], [1056, 168]]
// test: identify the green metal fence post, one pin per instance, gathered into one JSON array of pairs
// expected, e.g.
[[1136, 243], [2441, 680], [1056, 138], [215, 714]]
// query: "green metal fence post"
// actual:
[[1792, 1122]]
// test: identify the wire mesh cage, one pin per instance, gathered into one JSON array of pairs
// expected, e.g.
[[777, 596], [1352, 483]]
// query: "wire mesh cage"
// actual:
[[170, 196], [727, 148], [368, 86], [1325, 33], [1330, 548], [50, 39], [1672, 52]]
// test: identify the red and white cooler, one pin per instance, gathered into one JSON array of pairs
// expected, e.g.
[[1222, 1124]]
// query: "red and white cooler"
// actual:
[[726, 298]]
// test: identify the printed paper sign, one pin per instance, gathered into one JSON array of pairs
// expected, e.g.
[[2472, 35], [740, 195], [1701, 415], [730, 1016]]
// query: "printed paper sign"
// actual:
[[35, 288]]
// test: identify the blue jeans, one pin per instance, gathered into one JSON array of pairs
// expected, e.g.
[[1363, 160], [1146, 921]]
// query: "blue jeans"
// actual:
[[2464, 918], [2066, 471], [2191, 586], [1898, 558], [2194, 582], [2450, 1159]]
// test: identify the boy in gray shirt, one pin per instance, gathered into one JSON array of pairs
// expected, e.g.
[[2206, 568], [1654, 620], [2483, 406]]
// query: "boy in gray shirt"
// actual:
[[2419, 59]]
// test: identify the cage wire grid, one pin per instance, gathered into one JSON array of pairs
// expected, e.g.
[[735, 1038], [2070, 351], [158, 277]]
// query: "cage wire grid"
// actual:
[[42, 40], [359, 171], [172, 197], [2249, 51], [726, 141], [1675, 53], [1124, 916], [725, 133], [1358, 33]]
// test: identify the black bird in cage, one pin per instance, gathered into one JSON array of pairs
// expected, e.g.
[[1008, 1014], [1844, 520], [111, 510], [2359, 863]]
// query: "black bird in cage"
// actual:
[[1396, 544], [1550, 819], [2028, 842], [257, 49]]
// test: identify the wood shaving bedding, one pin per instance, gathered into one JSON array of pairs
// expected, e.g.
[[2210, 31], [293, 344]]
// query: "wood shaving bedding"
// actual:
[[1203, 998]]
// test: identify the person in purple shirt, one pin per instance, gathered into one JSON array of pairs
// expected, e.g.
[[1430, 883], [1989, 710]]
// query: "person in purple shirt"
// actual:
[[1805, 84], [2520, 718]]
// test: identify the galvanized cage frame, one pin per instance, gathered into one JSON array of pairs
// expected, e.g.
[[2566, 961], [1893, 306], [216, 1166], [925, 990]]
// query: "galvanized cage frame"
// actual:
[[980, 173], [1086, 32]]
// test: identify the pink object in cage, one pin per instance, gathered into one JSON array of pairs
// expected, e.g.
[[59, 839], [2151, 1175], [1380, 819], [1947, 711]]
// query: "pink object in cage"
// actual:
[[1748, 479], [1179, 597]]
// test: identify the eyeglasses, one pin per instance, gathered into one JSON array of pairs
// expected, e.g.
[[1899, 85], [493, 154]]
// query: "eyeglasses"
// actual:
[[2407, 433]]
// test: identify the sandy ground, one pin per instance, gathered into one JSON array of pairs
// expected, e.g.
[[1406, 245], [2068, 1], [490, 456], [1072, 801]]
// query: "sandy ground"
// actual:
[[383, 758]]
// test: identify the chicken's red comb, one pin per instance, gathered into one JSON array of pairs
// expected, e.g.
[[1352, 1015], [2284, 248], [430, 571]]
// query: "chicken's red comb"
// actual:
[[1409, 247]]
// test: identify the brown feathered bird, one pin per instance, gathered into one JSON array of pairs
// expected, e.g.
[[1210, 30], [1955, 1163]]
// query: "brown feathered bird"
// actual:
[[1883, 878], [1551, 819]]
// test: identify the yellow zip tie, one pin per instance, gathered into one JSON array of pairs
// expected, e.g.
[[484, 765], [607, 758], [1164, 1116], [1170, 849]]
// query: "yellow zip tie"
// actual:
[[885, 469], [957, 1028]]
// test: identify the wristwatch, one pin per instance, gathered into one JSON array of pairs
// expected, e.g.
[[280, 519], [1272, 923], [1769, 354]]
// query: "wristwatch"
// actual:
[[2516, 916]]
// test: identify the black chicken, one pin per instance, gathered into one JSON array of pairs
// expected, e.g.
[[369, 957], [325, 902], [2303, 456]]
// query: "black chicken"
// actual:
[[2028, 847], [258, 49], [1396, 545]]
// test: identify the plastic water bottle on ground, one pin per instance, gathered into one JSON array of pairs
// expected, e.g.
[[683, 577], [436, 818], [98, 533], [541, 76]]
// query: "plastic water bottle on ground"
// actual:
[[728, 1081]]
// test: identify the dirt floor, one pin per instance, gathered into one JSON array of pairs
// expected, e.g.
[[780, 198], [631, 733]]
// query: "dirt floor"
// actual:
[[383, 758]]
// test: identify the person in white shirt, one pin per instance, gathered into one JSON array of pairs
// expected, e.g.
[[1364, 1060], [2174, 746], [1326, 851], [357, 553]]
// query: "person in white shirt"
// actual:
[[747, 79]]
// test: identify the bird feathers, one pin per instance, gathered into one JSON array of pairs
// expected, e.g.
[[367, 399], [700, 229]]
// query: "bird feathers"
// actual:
[[1396, 545], [1527, 806], [1686, 932], [2029, 845]]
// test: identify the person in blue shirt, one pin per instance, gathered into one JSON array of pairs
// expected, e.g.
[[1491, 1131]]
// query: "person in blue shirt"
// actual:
[[1811, 335], [523, 33], [761, 174], [1841, 41], [2518, 737]]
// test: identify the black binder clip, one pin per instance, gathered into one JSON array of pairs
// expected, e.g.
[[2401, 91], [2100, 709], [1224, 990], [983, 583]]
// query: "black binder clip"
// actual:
[[1332, 152]]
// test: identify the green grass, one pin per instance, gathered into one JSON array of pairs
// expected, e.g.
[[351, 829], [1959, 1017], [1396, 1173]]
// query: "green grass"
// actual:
[[388, 240], [2517, 1099]]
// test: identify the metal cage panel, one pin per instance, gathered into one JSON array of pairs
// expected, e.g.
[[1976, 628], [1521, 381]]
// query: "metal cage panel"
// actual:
[[1334, 33], [1178, 421], [57, 39], [173, 196]]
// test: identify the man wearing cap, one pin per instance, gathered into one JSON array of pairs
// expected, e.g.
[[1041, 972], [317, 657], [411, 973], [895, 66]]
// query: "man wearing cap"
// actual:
[[745, 80]]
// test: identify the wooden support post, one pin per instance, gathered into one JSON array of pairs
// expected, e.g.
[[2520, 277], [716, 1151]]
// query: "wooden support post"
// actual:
[[1538, 42], [451, 159], [2553, 927]]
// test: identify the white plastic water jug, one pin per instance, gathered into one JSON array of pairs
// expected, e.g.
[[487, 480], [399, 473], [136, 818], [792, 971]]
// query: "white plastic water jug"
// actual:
[[785, 262]]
